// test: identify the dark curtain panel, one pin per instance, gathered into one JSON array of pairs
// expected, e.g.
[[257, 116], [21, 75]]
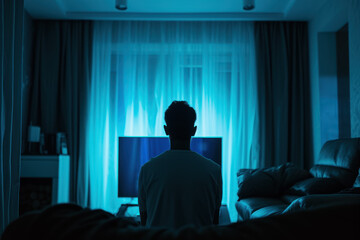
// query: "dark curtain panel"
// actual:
[[343, 81], [284, 93], [11, 42], [61, 82]]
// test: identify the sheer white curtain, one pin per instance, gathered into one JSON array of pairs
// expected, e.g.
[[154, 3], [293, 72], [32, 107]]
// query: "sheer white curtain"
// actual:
[[139, 68]]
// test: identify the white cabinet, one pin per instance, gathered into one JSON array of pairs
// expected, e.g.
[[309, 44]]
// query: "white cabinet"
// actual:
[[56, 167]]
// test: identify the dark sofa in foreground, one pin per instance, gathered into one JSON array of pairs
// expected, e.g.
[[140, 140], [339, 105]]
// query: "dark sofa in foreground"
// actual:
[[334, 180], [68, 221]]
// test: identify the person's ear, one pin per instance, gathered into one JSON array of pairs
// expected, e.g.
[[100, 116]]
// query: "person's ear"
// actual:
[[166, 130], [194, 131]]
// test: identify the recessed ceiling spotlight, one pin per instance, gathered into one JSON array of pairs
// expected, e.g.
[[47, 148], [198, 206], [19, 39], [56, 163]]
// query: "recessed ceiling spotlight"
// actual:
[[121, 4], [248, 5]]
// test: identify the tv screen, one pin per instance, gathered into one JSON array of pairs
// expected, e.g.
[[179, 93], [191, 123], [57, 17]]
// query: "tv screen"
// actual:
[[135, 151]]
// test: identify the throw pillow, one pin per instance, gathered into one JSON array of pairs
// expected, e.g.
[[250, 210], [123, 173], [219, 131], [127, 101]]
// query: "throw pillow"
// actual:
[[316, 186], [258, 183], [293, 174]]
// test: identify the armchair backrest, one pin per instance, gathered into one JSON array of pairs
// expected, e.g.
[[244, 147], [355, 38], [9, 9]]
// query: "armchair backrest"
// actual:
[[339, 159]]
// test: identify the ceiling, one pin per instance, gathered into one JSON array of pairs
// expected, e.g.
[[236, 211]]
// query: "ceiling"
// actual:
[[174, 9]]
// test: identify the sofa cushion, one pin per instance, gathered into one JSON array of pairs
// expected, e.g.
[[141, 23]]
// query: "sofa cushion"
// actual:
[[352, 190], [246, 208], [322, 201], [257, 183], [287, 198], [343, 175], [357, 181], [316, 186], [268, 182], [339, 159], [293, 174], [269, 211], [344, 153]]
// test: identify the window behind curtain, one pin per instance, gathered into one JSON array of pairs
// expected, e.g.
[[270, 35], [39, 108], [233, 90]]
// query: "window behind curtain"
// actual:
[[139, 68]]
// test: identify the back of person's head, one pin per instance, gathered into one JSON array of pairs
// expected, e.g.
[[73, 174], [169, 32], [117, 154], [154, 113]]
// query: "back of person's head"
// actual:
[[180, 119]]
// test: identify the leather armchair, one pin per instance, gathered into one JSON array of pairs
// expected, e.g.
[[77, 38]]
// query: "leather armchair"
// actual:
[[333, 180]]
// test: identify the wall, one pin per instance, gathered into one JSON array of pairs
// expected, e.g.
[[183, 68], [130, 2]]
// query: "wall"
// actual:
[[333, 16], [328, 86], [354, 46], [343, 81]]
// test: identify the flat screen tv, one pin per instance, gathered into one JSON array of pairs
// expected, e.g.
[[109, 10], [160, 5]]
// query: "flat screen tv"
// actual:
[[135, 151]]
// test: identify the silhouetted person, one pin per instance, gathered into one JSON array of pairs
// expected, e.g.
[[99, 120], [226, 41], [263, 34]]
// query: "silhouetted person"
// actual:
[[180, 187]]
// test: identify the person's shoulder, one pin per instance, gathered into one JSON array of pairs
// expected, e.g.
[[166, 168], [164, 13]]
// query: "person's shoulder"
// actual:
[[155, 160], [160, 157], [207, 161]]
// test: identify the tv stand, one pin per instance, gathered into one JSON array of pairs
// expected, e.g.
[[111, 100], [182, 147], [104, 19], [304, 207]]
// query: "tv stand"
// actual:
[[123, 209], [224, 217]]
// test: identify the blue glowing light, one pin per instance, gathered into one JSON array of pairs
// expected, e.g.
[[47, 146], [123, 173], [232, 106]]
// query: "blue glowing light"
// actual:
[[139, 68]]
